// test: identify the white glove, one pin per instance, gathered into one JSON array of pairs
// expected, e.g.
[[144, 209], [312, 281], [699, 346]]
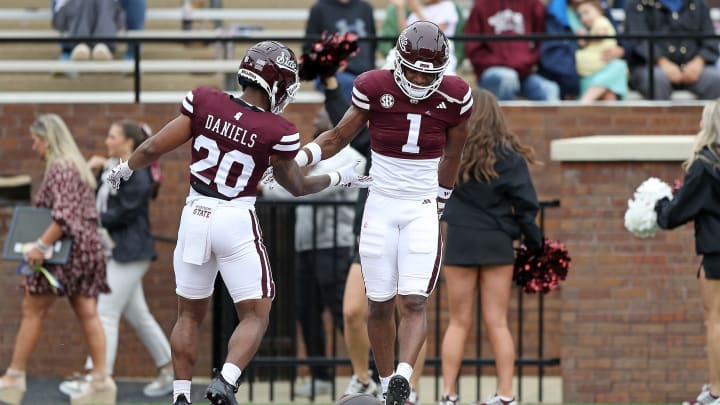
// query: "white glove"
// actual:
[[268, 179], [349, 177], [119, 172]]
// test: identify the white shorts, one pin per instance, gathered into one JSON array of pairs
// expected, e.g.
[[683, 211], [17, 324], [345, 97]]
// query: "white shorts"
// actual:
[[400, 247], [234, 247]]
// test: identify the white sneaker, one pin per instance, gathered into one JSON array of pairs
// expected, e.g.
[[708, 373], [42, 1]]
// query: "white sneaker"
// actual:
[[704, 398], [357, 387], [101, 52], [322, 387], [162, 385], [413, 398], [80, 52], [73, 384], [496, 400], [448, 400]]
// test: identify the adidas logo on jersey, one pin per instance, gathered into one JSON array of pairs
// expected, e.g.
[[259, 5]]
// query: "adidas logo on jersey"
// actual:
[[426, 201], [441, 105]]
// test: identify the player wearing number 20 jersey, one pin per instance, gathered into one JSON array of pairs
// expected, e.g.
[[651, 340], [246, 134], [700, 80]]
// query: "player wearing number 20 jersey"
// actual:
[[232, 142]]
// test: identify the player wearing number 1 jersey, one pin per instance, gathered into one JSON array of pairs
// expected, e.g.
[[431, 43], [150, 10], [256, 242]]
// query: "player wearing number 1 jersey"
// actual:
[[234, 140], [416, 118]]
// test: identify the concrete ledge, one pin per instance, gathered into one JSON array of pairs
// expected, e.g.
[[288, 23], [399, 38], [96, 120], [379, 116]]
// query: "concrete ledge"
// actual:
[[119, 97], [615, 148]]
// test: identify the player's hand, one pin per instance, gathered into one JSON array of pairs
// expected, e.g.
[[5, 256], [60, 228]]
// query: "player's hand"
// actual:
[[267, 181], [349, 177], [118, 173]]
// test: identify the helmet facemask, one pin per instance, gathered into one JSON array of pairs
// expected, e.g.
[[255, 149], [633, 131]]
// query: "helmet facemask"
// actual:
[[412, 90]]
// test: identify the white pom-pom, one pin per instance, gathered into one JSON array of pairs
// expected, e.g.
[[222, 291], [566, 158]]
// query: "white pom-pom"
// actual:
[[640, 217]]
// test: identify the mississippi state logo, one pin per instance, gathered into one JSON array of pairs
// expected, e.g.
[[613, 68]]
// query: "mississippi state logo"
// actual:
[[387, 100], [403, 42], [285, 60]]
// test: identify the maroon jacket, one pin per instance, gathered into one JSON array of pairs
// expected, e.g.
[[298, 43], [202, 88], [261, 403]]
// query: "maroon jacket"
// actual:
[[507, 18]]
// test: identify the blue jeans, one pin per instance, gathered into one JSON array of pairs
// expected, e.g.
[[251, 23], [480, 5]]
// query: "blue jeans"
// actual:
[[505, 84], [134, 20]]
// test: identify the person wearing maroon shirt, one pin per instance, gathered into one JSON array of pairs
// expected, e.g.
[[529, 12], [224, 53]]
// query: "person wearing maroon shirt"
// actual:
[[506, 68], [416, 119], [234, 140]]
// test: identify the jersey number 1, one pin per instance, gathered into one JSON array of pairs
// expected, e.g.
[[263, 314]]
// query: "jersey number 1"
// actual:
[[411, 146], [222, 170]]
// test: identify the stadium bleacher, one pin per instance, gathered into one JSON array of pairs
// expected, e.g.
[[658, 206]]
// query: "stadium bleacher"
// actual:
[[165, 67]]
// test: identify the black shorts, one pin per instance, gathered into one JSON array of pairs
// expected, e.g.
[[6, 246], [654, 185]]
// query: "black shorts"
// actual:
[[476, 247], [711, 264]]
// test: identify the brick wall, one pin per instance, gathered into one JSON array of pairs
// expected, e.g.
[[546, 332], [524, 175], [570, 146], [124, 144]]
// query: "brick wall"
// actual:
[[627, 323]]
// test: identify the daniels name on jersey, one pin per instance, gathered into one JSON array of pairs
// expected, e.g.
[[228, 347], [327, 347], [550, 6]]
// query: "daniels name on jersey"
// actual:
[[232, 141], [402, 129]]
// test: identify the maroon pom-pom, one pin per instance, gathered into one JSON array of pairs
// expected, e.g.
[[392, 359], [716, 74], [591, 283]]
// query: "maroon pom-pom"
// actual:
[[327, 55], [541, 270]]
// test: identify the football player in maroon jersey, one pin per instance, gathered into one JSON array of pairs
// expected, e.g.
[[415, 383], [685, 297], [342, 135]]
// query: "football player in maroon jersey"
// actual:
[[234, 140], [417, 126]]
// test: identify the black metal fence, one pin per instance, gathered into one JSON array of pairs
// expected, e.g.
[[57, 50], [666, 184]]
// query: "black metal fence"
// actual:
[[276, 360], [135, 41]]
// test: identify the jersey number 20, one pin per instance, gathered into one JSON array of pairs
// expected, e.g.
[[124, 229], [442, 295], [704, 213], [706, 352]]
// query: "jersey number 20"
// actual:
[[223, 166]]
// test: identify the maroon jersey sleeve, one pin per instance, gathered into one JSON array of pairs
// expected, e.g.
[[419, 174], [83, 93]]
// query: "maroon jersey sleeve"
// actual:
[[459, 97], [232, 141]]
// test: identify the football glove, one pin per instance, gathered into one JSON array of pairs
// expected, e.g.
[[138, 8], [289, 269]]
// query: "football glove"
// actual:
[[118, 173]]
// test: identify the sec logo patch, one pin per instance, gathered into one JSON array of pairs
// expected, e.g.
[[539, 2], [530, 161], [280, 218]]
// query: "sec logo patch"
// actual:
[[387, 100]]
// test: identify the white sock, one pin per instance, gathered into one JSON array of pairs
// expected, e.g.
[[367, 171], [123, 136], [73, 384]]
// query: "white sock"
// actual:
[[405, 370], [231, 373], [384, 381], [506, 399], [181, 387]]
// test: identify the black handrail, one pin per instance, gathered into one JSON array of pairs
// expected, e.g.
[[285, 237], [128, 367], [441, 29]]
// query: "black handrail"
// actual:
[[137, 39], [224, 321]]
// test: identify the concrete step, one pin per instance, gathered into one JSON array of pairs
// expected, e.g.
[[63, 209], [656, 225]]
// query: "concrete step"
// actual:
[[98, 82]]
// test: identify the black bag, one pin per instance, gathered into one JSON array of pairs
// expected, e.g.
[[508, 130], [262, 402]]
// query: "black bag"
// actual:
[[28, 224]]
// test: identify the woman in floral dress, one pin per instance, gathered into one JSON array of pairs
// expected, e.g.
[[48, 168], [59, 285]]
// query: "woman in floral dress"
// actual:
[[68, 190]]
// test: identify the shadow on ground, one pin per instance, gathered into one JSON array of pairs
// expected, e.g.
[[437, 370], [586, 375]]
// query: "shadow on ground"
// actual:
[[44, 391]]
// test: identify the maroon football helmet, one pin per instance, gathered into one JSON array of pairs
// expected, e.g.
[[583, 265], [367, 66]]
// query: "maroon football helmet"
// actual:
[[423, 47], [272, 66]]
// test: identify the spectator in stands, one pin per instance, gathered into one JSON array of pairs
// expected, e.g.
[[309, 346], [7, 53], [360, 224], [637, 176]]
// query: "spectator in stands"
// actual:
[[88, 18], [125, 215], [698, 200], [557, 58], [444, 13], [323, 254], [134, 20], [599, 79], [68, 190], [341, 16], [507, 68], [678, 63], [494, 202]]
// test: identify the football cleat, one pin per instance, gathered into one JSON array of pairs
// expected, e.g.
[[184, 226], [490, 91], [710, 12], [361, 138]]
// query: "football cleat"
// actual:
[[398, 391], [221, 392]]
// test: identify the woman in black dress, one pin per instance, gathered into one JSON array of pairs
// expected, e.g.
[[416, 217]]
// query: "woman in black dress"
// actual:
[[493, 204], [698, 200]]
